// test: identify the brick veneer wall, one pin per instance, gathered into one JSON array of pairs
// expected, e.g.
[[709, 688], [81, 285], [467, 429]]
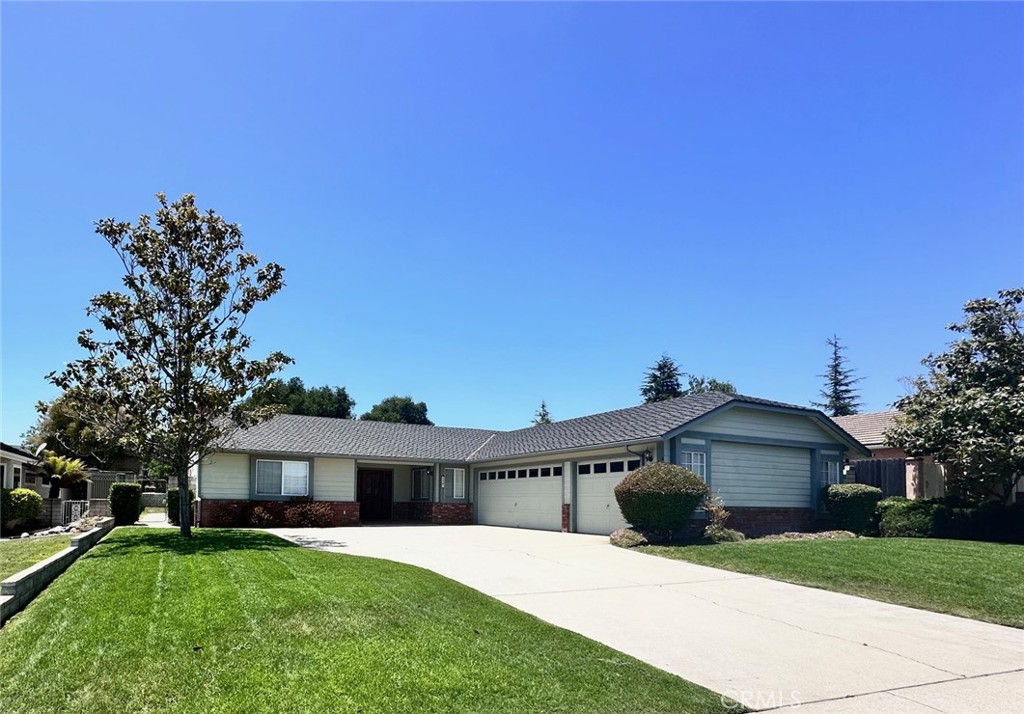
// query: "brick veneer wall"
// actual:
[[767, 521], [565, 517], [228, 513], [442, 514], [452, 514]]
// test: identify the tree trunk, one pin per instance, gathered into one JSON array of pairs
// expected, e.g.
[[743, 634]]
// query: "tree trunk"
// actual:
[[184, 499]]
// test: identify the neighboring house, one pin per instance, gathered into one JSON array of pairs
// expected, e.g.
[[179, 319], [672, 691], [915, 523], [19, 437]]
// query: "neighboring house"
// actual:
[[766, 459], [869, 429], [18, 469]]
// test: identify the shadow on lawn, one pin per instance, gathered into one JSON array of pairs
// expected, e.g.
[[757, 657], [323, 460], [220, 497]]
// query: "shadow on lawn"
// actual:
[[139, 540]]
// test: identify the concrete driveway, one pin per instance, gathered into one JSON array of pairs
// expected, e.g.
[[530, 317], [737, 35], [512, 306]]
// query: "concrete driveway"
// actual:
[[764, 643]]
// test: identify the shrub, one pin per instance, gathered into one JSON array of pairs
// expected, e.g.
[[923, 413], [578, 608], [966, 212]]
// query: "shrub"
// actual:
[[916, 519], [715, 530], [628, 538], [721, 534], [660, 497], [309, 515], [852, 505], [998, 522], [125, 502], [260, 517], [173, 506], [21, 504]]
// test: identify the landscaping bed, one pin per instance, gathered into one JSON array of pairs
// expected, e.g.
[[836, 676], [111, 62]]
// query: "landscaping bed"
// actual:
[[243, 621], [972, 579]]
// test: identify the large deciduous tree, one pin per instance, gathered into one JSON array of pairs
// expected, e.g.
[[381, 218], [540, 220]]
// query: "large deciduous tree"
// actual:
[[699, 384], [661, 381], [968, 410], [398, 409], [170, 368], [62, 429], [294, 397], [840, 397]]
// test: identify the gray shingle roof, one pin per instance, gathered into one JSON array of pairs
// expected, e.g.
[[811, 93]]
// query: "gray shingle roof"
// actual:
[[291, 434], [325, 436], [868, 429]]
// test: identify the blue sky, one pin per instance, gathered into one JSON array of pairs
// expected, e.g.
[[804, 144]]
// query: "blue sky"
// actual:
[[484, 206]]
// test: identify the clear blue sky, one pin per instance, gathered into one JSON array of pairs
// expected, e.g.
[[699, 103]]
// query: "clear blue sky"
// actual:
[[484, 206]]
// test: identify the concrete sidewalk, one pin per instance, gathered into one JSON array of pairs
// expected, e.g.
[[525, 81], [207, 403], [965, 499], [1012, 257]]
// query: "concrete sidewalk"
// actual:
[[764, 643]]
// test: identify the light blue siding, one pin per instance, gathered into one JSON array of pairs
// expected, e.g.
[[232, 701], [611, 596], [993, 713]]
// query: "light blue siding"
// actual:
[[761, 476], [763, 424]]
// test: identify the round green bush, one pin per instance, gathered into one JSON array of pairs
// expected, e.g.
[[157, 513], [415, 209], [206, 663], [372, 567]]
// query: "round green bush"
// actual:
[[852, 505], [21, 504], [125, 502], [660, 497]]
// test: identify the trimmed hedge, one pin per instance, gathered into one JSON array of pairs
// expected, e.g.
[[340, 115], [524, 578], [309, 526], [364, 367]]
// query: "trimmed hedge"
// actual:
[[852, 505], [173, 506], [938, 519], [660, 497], [125, 502], [21, 504]]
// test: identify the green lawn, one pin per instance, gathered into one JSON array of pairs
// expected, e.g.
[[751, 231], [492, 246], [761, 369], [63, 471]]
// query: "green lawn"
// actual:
[[237, 621], [16, 555], [983, 581]]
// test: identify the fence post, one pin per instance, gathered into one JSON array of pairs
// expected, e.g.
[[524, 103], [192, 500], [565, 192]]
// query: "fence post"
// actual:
[[915, 477]]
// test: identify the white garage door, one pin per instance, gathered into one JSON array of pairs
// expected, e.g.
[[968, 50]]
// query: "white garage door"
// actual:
[[597, 511], [761, 476], [528, 497]]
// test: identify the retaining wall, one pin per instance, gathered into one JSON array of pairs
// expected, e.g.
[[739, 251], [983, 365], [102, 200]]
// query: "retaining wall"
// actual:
[[19, 590]]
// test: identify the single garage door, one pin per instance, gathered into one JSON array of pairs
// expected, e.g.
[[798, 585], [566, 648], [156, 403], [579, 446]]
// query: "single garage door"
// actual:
[[597, 511], [528, 497]]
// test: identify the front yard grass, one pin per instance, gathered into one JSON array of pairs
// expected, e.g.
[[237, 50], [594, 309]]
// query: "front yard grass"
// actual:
[[982, 581], [240, 621], [16, 555]]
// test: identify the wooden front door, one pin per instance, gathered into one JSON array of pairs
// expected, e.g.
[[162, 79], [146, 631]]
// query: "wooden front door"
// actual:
[[375, 494]]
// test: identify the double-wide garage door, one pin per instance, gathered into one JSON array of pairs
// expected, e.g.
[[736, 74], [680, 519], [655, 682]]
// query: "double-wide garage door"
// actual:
[[527, 502]]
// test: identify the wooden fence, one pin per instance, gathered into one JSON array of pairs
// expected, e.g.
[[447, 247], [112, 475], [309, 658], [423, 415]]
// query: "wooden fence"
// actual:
[[890, 475]]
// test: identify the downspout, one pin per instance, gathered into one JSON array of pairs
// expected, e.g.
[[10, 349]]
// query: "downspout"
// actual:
[[644, 458]]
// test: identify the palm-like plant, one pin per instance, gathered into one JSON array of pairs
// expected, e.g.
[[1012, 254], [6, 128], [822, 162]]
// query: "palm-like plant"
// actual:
[[67, 471]]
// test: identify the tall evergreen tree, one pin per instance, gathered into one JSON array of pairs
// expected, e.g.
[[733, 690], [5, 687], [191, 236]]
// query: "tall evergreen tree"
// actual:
[[839, 395], [662, 381], [542, 415]]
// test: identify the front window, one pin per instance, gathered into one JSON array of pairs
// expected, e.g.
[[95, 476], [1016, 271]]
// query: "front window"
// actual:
[[458, 478], [830, 473], [695, 461], [282, 478], [421, 479]]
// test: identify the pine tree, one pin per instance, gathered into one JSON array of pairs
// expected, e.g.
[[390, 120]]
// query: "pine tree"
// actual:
[[542, 415], [662, 381], [840, 397]]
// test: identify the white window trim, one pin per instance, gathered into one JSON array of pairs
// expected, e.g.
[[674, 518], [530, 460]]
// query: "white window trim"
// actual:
[[703, 462], [458, 483], [282, 494]]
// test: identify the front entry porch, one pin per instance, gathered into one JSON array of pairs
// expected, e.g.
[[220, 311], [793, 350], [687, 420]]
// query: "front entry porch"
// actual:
[[413, 493]]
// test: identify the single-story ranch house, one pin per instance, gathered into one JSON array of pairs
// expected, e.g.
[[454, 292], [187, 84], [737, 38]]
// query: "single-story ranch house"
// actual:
[[767, 460]]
